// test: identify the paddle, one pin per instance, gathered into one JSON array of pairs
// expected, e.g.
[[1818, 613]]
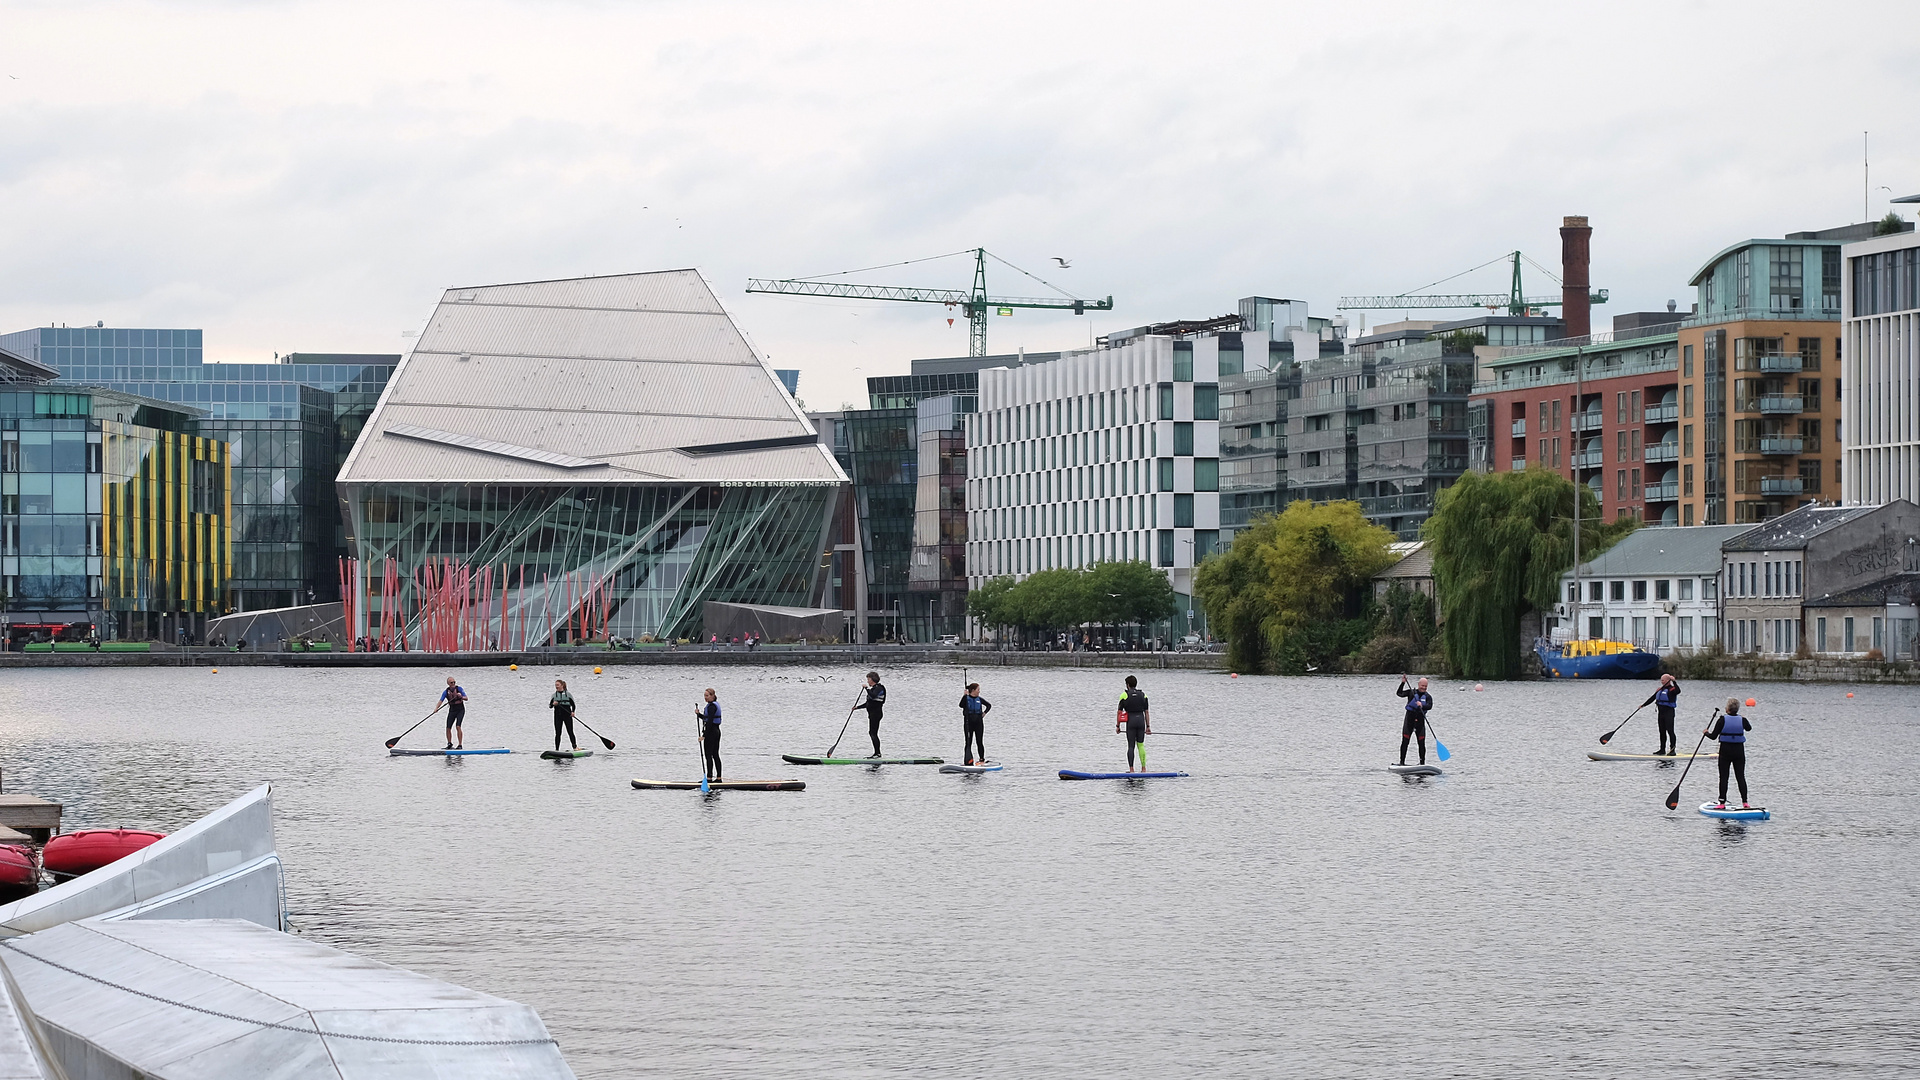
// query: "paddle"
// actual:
[[1604, 739], [597, 735], [1183, 735], [391, 743], [843, 726], [700, 740], [1673, 797]]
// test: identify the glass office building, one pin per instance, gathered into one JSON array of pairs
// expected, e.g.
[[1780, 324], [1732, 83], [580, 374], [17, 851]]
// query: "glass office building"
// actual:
[[290, 425], [607, 443]]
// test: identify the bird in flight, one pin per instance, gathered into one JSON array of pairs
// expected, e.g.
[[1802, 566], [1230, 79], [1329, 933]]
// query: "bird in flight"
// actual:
[[1063, 262]]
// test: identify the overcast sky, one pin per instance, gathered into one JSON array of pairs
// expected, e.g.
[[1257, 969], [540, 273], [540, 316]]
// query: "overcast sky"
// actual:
[[310, 176]]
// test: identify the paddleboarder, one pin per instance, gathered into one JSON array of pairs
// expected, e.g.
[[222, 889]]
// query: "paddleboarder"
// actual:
[[875, 704], [1415, 724], [1664, 698], [973, 724], [1731, 729], [562, 704], [455, 699], [709, 714], [1137, 720]]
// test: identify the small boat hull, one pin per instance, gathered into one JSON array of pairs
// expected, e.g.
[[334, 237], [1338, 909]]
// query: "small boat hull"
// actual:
[[83, 852], [19, 874], [1634, 664]]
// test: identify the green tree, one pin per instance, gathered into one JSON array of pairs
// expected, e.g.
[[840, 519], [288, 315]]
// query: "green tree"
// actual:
[[1129, 591], [988, 603], [1500, 543], [1889, 225], [1292, 590]]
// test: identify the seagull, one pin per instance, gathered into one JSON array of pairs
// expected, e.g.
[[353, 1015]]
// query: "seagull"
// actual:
[[1063, 263], [1310, 667]]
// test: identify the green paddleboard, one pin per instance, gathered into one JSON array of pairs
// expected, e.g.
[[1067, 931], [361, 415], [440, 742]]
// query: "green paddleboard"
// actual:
[[796, 759]]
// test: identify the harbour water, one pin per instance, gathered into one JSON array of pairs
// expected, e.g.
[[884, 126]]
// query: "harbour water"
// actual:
[[1291, 909]]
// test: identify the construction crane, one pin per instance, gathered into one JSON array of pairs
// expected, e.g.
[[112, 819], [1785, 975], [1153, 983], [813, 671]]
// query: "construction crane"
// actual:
[[1514, 300], [975, 302]]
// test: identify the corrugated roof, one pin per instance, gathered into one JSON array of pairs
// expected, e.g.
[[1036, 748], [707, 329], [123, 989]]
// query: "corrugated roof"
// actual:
[[1793, 529], [1690, 549], [1899, 588], [624, 370]]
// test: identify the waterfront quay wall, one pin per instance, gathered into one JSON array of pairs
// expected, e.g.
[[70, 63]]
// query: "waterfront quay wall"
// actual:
[[874, 656]]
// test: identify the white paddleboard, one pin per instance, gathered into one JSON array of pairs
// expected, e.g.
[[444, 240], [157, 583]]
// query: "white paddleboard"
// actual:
[[1734, 813], [1603, 755], [1415, 770], [970, 768]]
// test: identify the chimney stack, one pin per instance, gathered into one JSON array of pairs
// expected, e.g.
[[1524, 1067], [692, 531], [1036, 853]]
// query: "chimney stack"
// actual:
[[1576, 240]]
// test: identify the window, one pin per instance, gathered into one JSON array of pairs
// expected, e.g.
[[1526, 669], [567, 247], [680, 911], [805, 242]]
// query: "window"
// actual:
[[1686, 514], [1206, 474], [1183, 511], [1596, 627], [1618, 627], [1639, 628], [1556, 414], [1635, 455], [1846, 631], [1686, 441], [1205, 542], [1543, 416], [1686, 588], [1166, 547], [1634, 474], [1663, 589], [1686, 481], [1206, 401], [1660, 632], [1620, 407], [1620, 445], [1310, 459], [1166, 401], [1596, 593], [1556, 453], [1879, 641], [1639, 591], [1820, 633], [1617, 590], [1710, 589], [1686, 394], [1620, 485], [1686, 361], [1166, 474], [1543, 453], [1183, 361], [1686, 632], [1183, 438]]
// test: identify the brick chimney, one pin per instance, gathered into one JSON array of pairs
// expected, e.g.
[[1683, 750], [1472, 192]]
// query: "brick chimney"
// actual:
[[1576, 240]]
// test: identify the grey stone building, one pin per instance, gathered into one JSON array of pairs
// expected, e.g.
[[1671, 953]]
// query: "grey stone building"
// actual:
[[1829, 579]]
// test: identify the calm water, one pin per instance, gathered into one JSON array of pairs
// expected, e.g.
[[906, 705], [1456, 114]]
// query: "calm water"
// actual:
[[1291, 909]]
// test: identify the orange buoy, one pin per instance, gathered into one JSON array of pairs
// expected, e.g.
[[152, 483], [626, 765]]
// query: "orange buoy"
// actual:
[[1751, 703], [1478, 687], [1235, 675], [216, 671], [1849, 693], [513, 667], [596, 671]]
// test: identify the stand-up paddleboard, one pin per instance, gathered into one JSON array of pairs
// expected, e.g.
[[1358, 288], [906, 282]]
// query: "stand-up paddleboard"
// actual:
[[565, 755], [1602, 755], [969, 768], [405, 752], [721, 785], [1076, 774], [1731, 812], [796, 759], [1415, 770]]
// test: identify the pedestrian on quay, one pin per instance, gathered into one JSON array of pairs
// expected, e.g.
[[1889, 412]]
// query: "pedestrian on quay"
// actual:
[[1414, 725], [1664, 698], [709, 713], [1134, 717], [1731, 730], [562, 705], [454, 697], [973, 725], [875, 704]]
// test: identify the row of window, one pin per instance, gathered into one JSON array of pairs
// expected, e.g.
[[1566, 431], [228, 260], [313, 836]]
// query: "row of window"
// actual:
[[1619, 590], [1765, 578], [1048, 553], [1667, 632]]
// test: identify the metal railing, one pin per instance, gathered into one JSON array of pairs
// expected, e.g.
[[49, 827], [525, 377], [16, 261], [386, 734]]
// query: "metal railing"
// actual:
[[1783, 362], [1665, 413], [1663, 492], [1781, 444], [1556, 377], [1519, 428], [1517, 464], [1662, 451], [1587, 459], [1782, 403], [1586, 421], [1782, 485]]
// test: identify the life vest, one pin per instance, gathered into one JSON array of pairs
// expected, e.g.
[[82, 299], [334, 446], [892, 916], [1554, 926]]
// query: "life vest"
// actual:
[[1733, 728], [1419, 703], [1664, 697]]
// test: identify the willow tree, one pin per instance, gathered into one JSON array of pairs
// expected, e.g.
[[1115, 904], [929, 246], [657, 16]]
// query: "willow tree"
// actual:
[[1500, 543], [1288, 588]]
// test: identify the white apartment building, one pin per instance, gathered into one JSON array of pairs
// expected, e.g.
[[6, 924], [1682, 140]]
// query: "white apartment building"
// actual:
[[1104, 454], [1658, 588], [1880, 369]]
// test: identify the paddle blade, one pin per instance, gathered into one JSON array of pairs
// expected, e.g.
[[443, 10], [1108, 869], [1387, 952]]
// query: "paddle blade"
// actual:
[[1673, 798], [1441, 749], [1608, 737], [608, 741], [392, 741]]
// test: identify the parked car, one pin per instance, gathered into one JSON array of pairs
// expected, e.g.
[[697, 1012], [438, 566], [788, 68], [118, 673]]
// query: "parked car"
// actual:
[[950, 639]]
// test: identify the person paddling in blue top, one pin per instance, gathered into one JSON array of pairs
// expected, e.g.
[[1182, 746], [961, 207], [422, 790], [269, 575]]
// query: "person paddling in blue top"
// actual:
[[1731, 729], [455, 699], [1138, 721], [973, 724], [875, 704], [1666, 696], [709, 714], [1414, 726]]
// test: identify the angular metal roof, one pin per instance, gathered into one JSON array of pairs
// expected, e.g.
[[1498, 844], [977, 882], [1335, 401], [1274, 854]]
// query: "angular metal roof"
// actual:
[[1651, 552], [627, 379], [1793, 529]]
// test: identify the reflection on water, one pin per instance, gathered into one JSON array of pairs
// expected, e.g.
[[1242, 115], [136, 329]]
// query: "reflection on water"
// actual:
[[1292, 909]]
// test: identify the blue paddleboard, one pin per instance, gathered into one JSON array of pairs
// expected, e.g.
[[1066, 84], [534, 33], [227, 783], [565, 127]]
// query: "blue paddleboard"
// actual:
[[1075, 774], [1734, 813]]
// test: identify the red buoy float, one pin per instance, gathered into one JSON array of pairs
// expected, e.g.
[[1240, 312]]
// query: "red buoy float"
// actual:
[[19, 876], [75, 853]]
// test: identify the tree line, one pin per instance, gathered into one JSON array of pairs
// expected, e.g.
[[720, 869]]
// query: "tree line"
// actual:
[[1122, 593]]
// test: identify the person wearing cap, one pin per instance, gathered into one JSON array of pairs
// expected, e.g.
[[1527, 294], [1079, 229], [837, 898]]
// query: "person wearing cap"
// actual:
[[1665, 697], [1731, 730]]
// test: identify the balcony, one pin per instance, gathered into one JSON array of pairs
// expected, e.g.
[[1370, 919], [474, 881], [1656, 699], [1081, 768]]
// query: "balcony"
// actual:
[[1663, 414], [1782, 444], [1783, 363], [1519, 428], [1782, 403], [1587, 459], [1663, 492], [1586, 421], [1517, 464], [1782, 485], [1662, 451]]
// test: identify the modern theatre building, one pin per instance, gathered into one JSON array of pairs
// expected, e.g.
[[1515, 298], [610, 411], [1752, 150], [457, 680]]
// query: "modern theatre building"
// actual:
[[614, 433]]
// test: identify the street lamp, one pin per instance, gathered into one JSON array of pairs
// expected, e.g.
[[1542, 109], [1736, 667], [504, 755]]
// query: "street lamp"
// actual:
[[931, 627]]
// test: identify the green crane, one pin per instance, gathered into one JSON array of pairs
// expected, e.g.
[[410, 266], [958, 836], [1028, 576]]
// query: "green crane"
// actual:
[[975, 302], [1514, 300]]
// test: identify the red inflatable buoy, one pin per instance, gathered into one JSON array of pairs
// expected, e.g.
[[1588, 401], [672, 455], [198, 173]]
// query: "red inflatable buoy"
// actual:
[[18, 874], [75, 853]]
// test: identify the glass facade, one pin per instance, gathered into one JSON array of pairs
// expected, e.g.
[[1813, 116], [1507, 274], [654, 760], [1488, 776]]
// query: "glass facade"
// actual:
[[882, 457], [937, 576], [290, 425], [658, 552], [109, 524]]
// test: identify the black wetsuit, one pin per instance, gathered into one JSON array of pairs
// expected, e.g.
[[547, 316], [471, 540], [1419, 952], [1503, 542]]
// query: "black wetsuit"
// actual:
[[1134, 704], [973, 728], [875, 706], [562, 703], [710, 739], [1733, 751], [1665, 698], [1415, 724]]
